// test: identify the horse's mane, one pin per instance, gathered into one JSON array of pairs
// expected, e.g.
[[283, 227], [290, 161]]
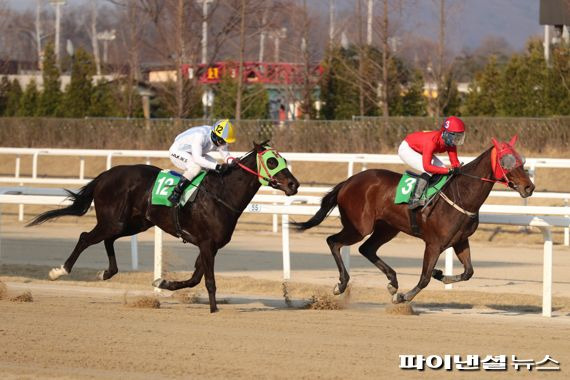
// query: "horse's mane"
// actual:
[[477, 160], [263, 144]]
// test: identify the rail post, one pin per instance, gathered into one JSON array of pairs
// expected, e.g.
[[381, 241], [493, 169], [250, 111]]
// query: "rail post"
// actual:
[[546, 230]]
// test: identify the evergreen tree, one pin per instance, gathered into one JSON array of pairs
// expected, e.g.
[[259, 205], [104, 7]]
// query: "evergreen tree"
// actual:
[[103, 102], [51, 94], [339, 92], [225, 98], [450, 102], [524, 83], [5, 87], [397, 78], [13, 99], [256, 102], [484, 91], [29, 100], [413, 102], [77, 97], [559, 81]]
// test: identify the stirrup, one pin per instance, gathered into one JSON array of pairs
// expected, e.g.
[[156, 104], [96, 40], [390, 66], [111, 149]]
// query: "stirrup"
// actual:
[[416, 203], [174, 198]]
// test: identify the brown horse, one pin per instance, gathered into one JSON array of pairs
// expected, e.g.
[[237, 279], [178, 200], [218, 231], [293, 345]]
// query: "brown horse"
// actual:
[[366, 205]]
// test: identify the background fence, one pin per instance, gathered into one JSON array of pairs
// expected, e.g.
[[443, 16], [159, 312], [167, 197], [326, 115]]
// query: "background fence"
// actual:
[[544, 136]]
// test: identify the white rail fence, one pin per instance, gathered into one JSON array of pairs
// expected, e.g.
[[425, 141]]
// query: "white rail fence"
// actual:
[[349, 159], [542, 217]]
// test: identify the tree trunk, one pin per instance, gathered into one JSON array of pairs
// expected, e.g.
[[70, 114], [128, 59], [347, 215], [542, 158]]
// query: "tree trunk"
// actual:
[[361, 58], [385, 110], [241, 58], [180, 54]]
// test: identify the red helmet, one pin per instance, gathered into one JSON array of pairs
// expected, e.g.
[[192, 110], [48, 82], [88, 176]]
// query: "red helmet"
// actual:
[[453, 124]]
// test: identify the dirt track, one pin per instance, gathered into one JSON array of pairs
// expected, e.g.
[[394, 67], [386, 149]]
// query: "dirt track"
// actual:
[[79, 328], [60, 335]]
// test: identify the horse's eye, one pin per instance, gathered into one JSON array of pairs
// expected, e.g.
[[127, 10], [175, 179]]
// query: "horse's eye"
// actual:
[[508, 161], [272, 163]]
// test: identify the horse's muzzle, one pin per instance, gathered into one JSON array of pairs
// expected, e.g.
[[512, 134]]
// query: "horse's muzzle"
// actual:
[[292, 187], [527, 190]]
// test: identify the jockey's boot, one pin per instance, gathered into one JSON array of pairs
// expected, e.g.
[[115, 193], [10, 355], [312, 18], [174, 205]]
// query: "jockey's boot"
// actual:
[[417, 200], [174, 198]]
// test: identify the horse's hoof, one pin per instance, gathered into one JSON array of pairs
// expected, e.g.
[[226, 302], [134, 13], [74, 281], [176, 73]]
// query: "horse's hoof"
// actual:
[[339, 289], [398, 298], [159, 283], [392, 289], [101, 275], [56, 273], [437, 274], [212, 311]]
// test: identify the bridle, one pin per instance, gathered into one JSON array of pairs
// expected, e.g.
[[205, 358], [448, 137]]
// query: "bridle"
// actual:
[[271, 179], [496, 164]]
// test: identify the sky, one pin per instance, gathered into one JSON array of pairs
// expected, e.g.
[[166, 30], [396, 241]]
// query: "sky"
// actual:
[[470, 20]]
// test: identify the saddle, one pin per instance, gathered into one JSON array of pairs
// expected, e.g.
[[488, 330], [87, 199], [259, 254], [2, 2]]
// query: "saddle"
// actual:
[[406, 188]]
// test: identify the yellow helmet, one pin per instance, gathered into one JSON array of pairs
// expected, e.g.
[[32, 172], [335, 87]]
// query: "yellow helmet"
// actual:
[[224, 130]]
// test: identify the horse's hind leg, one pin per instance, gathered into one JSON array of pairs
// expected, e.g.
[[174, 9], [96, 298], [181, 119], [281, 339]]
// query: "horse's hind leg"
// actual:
[[86, 239], [463, 253], [347, 236], [113, 269], [382, 234], [190, 283]]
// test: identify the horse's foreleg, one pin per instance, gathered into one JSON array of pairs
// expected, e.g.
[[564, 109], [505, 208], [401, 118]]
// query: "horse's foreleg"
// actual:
[[190, 283], [431, 254], [336, 242], [208, 253], [463, 252]]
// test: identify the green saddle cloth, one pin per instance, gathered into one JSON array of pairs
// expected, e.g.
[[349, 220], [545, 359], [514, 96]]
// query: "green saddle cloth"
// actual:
[[407, 184], [165, 183]]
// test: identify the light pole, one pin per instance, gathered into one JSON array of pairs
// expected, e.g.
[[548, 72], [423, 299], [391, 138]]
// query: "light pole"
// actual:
[[204, 29], [277, 35], [262, 35], [369, 23], [57, 4], [106, 36]]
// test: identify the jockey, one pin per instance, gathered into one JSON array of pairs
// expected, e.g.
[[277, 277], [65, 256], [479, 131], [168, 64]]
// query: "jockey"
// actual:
[[418, 148], [188, 152]]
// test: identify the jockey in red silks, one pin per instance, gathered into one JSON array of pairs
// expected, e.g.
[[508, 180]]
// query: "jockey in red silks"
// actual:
[[418, 148]]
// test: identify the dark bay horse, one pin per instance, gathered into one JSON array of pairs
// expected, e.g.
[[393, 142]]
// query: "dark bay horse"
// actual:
[[366, 205], [122, 205]]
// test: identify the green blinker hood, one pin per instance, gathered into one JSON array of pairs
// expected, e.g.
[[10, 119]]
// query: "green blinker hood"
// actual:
[[264, 169]]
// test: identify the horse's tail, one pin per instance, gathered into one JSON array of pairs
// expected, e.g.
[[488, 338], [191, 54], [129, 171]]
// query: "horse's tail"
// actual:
[[327, 204], [81, 203]]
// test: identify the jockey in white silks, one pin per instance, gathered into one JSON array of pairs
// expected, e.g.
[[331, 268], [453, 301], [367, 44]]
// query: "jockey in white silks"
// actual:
[[190, 148]]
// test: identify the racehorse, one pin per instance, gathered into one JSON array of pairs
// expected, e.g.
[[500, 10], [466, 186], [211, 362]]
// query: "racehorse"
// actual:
[[122, 197], [366, 205]]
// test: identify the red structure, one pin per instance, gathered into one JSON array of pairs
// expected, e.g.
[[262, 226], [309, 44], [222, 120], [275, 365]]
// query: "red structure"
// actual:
[[254, 72]]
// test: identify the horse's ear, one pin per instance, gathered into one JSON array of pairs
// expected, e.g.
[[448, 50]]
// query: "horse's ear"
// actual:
[[513, 140], [495, 142], [256, 146]]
